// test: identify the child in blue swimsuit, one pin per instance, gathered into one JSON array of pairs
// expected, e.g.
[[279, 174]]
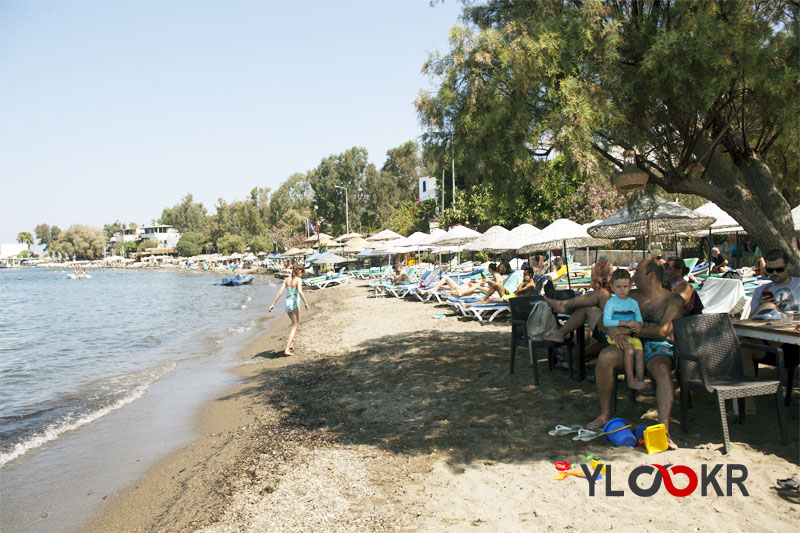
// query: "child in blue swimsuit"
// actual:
[[623, 311], [294, 288]]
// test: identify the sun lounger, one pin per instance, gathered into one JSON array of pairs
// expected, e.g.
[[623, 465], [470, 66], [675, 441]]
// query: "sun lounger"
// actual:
[[329, 282]]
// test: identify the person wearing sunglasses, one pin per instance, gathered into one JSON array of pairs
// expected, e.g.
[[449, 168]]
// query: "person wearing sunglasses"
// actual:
[[783, 294], [783, 291]]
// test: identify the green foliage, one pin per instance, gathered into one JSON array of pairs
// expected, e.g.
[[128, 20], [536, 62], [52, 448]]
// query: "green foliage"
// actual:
[[143, 246], [190, 244], [228, 244], [81, 242], [25, 237], [130, 247], [350, 169], [25, 254], [705, 92], [413, 216], [260, 243], [46, 234], [186, 215]]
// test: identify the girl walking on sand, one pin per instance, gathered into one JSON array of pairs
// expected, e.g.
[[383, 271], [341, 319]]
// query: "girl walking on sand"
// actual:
[[294, 288]]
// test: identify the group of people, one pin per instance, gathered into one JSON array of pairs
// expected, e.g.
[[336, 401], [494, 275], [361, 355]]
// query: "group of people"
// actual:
[[635, 326]]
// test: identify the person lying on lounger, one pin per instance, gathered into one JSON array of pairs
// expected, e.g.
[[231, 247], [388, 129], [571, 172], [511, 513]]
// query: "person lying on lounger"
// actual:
[[526, 288], [468, 288]]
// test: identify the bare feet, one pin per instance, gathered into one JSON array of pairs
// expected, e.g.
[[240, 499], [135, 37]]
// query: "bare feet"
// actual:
[[554, 337], [598, 422], [288, 352], [557, 305], [670, 443], [640, 385]]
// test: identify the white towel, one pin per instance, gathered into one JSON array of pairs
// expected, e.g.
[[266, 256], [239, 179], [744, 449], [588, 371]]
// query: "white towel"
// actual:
[[721, 295]]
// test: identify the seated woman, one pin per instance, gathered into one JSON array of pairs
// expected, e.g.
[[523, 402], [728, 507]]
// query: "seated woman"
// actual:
[[466, 289], [527, 287], [601, 273]]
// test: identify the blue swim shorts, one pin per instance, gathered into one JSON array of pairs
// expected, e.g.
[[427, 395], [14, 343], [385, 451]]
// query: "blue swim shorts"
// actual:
[[654, 347]]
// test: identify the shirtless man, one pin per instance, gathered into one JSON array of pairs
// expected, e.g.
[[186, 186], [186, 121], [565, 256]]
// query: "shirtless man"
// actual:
[[659, 307], [586, 307], [676, 274]]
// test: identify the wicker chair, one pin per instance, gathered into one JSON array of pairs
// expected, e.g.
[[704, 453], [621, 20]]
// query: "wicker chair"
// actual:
[[569, 339], [520, 310], [710, 359]]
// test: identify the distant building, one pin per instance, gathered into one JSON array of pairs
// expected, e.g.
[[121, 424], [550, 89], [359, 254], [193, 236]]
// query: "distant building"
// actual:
[[427, 188], [165, 236], [125, 235]]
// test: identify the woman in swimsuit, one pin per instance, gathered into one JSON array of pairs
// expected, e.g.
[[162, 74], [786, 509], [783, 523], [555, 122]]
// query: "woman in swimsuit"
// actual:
[[294, 288]]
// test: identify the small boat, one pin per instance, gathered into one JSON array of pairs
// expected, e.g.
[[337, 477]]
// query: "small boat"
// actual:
[[238, 279]]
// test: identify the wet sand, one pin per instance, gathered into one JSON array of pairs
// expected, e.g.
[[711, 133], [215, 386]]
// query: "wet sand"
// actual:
[[387, 419]]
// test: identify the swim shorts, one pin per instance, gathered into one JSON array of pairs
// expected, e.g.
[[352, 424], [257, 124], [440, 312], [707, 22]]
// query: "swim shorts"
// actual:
[[635, 342], [654, 347]]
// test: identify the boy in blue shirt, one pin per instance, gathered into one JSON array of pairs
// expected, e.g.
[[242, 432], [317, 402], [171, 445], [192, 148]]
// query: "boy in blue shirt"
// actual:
[[623, 311]]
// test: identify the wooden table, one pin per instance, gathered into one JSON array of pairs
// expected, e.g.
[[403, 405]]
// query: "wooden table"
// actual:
[[759, 329]]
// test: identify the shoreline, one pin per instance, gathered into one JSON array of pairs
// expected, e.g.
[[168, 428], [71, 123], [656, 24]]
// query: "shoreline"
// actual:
[[388, 419]]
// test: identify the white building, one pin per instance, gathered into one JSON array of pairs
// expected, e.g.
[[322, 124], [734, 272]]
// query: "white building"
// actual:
[[11, 249], [165, 236], [427, 188], [125, 235]]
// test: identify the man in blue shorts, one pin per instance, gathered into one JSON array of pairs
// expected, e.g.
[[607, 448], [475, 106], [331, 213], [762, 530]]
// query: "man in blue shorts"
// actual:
[[659, 307]]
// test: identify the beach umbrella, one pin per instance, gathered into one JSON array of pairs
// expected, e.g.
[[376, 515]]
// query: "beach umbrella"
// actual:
[[236, 255], [292, 252], [356, 245], [261, 253], [456, 236], [723, 220], [385, 235], [489, 238], [432, 236], [519, 236], [650, 215], [329, 258], [321, 236], [365, 253], [347, 236], [562, 233]]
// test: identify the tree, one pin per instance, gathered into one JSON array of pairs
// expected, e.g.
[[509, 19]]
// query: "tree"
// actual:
[[111, 229], [187, 215], [228, 244], [190, 244], [260, 243], [26, 238], [46, 234], [705, 92], [80, 242], [147, 244], [350, 169]]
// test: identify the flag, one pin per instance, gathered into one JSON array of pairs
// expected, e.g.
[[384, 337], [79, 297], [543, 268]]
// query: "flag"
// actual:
[[312, 228]]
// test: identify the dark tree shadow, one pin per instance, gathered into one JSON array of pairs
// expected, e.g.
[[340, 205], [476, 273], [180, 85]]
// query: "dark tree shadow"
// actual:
[[437, 390]]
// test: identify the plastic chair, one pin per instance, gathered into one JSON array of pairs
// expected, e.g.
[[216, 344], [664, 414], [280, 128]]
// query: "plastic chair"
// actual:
[[569, 340], [710, 360], [520, 310]]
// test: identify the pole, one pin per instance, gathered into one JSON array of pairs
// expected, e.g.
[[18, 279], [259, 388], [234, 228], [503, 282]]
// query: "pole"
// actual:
[[453, 160], [566, 262], [443, 187], [346, 212]]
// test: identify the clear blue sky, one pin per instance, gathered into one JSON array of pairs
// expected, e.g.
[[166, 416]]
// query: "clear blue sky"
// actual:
[[114, 110]]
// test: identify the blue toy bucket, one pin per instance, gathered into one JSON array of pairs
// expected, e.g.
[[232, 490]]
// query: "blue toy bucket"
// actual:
[[640, 432], [619, 437]]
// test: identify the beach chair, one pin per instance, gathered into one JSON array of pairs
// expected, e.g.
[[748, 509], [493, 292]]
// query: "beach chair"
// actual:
[[329, 282], [710, 361], [492, 310]]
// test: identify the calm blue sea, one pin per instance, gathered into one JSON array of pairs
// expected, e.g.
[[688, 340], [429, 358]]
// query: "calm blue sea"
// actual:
[[72, 351]]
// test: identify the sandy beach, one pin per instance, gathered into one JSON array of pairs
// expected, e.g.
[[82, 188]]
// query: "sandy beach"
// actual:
[[389, 419]]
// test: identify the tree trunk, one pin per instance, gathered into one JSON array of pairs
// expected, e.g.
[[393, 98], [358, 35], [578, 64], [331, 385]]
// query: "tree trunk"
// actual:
[[746, 190]]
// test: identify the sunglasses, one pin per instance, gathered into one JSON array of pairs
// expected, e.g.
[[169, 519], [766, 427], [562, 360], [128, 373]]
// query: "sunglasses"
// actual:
[[777, 270]]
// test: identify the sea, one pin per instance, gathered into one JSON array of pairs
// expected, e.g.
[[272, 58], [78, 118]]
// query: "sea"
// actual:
[[101, 377]]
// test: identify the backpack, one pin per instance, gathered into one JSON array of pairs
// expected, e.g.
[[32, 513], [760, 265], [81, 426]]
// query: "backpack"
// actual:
[[541, 321]]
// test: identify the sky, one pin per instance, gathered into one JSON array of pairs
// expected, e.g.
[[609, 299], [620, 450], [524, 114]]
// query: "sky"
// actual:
[[114, 110]]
